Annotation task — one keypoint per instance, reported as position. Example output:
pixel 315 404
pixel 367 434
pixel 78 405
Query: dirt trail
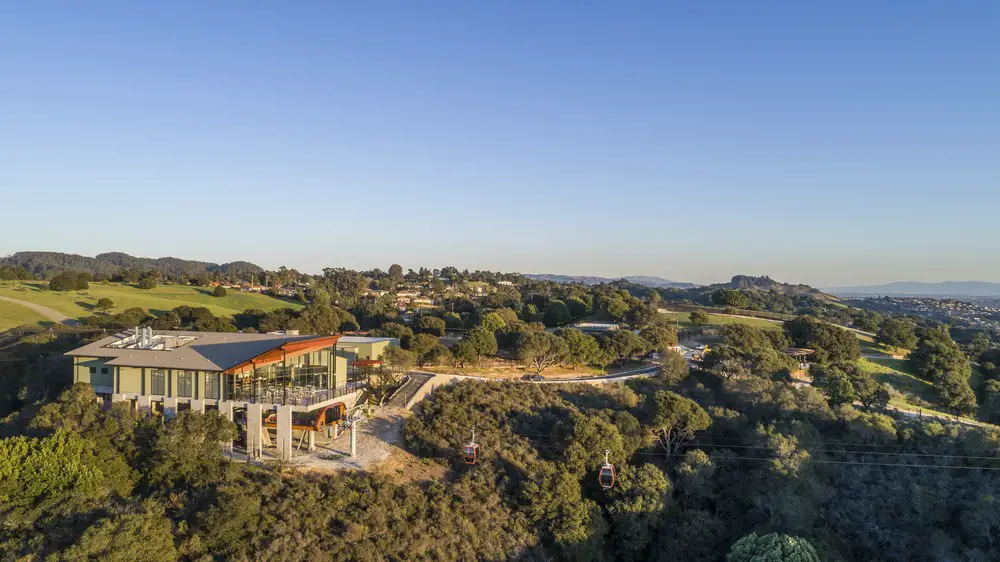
pixel 50 313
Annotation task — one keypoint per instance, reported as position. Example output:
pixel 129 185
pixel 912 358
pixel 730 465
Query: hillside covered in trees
pixel 707 466
pixel 44 265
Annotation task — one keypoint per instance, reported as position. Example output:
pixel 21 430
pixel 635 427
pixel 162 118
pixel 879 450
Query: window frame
pixel 213 386
pixel 185 384
pixel 158 377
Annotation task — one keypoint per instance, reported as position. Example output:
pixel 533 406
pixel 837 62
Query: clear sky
pixel 856 142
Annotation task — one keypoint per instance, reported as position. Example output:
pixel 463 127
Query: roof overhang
pixel 279 353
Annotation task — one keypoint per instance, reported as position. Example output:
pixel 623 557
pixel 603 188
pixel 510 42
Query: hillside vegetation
pixel 80 304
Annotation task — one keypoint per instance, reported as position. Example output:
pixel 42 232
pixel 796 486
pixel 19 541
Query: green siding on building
pixel 130 380
pixel 102 375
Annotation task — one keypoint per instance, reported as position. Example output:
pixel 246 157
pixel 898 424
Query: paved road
pixel 50 313
pixel 402 396
pixel 624 375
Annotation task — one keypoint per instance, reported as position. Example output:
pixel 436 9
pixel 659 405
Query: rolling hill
pixel 646 280
pixel 47 264
pixel 80 304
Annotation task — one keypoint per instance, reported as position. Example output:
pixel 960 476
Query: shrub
pixel 219 291
pixel 147 283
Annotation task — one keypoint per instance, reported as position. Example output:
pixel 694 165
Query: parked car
pixel 532 377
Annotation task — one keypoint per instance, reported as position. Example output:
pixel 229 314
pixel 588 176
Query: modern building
pixel 362 348
pixel 166 370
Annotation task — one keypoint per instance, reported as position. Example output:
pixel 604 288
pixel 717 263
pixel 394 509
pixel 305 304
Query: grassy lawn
pixel 914 393
pixel 683 319
pixel 12 315
pixel 78 304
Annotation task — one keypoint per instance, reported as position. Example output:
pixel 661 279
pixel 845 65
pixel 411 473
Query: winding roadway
pixel 50 313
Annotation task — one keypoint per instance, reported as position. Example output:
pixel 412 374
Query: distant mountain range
pixel 917 289
pixel 646 280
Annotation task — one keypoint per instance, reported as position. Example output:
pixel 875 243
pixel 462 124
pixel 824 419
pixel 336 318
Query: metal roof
pixel 209 351
pixel 362 339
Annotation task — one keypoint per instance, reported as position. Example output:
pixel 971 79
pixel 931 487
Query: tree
pixel 422 343
pixel 989 409
pixel 57 475
pixel 67 282
pixel 541 350
pixel 130 534
pixel 398 359
pixel 396 273
pixel 577 307
pixel 676 420
pixel 482 340
pixel 219 291
pixel 835 384
pixel 638 503
pixel 831 343
pixel 494 321
pixel 898 332
pixel 616 308
pixel 105 304
pixel 772 548
pixel 344 285
pixel 939 359
pixel 659 337
pixel 641 314
pixel 699 318
pixel 147 283
pixel 556 313
pixel 673 368
pixel 185 450
pixel 393 330
pixel 622 345
pixel 582 349
pixel 465 353
pixel 730 298
pixel 431 325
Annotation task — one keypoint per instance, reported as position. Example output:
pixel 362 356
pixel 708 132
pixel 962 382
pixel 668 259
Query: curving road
pixel 50 313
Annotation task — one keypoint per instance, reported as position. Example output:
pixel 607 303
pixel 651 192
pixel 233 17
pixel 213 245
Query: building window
pixel 185 383
pixel 212 386
pixel 158 382
pixel 93 370
pixel 104 370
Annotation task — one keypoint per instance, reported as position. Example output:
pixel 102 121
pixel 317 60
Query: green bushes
pixel 70 282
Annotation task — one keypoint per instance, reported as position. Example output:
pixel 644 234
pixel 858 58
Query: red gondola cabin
pixel 606 476
pixel 469 452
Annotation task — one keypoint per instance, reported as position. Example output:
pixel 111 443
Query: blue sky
pixel 855 142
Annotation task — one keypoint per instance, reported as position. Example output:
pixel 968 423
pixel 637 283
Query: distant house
pixel 505 283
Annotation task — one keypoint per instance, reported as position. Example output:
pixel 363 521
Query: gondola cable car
pixel 471 451
pixel 606 477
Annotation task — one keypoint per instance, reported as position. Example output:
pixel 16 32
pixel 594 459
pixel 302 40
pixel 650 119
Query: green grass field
pixel 78 304
pixel 683 320
pixel 12 315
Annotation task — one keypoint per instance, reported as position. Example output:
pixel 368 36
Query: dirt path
pixel 50 313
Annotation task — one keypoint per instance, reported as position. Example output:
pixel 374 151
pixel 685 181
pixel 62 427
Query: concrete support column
pixel 170 408
pixel 145 405
pixel 355 426
pixel 284 439
pixel 312 441
pixel 226 411
pixel 198 406
pixel 254 445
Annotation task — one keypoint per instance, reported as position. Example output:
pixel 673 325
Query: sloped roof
pixel 209 351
